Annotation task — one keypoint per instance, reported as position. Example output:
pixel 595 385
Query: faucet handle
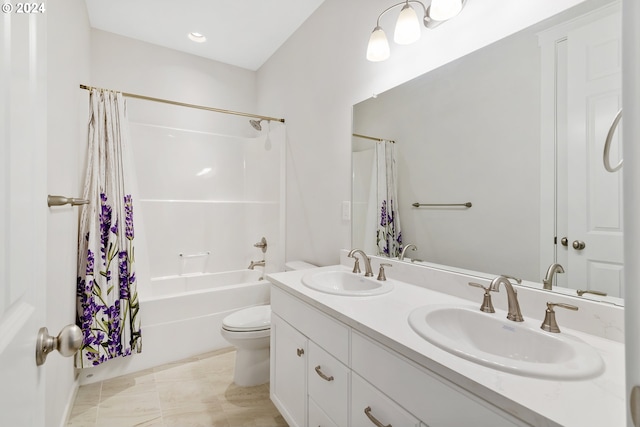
pixel 549 323
pixel 518 280
pixel 381 275
pixel 599 293
pixel 356 266
pixel 487 305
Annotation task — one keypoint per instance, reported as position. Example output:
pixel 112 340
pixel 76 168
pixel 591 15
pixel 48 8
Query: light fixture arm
pixel 402 3
pixel 407 29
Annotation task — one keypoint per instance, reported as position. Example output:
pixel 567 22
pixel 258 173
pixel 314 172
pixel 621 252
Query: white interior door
pixel 23 211
pixel 594 197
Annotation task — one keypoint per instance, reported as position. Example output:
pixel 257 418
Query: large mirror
pixel 510 140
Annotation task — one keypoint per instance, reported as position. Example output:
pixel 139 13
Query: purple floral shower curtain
pixel 388 232
pixel 107 297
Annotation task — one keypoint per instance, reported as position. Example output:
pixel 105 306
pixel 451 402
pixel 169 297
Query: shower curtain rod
pixel 182 104
pixel 372 138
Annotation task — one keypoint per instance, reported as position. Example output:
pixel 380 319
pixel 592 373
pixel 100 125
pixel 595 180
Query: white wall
pixel 68 38
pixel 128 65
pixel 321 72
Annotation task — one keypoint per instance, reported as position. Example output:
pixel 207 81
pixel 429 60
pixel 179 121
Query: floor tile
pixel 198 391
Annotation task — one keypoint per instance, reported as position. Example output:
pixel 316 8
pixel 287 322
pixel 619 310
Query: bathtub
pixel 181 317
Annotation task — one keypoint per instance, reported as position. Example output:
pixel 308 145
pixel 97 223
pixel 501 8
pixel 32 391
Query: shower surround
pixel 204 198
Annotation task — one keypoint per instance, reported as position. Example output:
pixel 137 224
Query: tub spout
pixel 256 264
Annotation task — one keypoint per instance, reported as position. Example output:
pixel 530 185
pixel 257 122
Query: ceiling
pixel 244 33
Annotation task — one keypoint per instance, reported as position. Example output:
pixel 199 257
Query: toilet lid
pixel 256 318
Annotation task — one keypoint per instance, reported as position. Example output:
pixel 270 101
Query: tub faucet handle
pixel 262 244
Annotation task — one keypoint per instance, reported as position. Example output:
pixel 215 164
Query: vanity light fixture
pixel 408 29
pixel 197 37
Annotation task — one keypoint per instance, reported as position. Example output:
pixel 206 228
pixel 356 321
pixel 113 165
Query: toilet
pixel 249 331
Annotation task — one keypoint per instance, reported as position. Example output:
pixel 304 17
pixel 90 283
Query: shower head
pixel 256 124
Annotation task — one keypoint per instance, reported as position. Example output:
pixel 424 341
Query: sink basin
pixel 345 283
pixel 517 347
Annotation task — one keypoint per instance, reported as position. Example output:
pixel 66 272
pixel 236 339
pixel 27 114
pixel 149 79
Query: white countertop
pixel 597 402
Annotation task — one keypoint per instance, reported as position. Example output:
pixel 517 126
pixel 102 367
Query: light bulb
pixel 407 27
pixel 441 10
pixel 197 37
pixel 378 49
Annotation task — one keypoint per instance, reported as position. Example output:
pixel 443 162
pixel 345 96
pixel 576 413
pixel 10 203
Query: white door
pixel 631 172
pixel 594 197
pixel 23 210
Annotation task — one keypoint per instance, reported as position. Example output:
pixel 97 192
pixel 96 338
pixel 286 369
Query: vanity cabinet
pixel 432 399
pixel 309 373
pixel 288 371
pixel 343 378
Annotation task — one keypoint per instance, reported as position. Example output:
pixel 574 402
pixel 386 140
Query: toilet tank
pixel 298 265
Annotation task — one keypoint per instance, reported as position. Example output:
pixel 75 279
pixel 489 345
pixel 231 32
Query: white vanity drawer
pixel 328 381
pixel 317 417
pixel 425 395
pixel 330 334
pixel 369 405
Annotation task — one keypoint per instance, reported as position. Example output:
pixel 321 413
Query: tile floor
pixel 194 392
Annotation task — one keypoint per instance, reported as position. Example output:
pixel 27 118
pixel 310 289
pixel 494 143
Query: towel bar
pixel 417 205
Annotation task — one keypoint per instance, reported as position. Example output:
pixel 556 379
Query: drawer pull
pixel 300 351
pixel 373 419
pixel 322 375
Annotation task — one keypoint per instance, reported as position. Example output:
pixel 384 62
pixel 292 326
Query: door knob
pixel 578 245
pixel 564 241
pixel 68 342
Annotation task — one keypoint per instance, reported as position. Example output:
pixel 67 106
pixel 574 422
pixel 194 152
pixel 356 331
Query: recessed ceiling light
pixel 197 37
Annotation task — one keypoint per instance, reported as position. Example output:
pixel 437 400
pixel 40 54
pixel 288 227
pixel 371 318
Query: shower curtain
pixel 107 298
pixel 388 233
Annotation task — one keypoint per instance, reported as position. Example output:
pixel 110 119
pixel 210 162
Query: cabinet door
pixel 369 407
pixel 288 371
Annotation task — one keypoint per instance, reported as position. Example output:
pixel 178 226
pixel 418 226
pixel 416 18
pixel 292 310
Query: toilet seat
pixel 250 319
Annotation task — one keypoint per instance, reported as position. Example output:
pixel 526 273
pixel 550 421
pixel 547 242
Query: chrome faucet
pixel 554 268
pixel 549 323
pixel 404 250
pixel 367 261
pixel 256 264
pixel 512 296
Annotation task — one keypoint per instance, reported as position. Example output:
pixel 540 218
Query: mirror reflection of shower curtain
pixel 388 233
